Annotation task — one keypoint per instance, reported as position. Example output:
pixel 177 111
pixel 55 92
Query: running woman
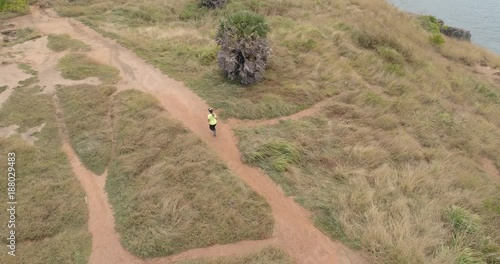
pixel 212 121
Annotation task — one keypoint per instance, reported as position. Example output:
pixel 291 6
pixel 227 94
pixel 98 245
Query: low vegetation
pixel 51 216
pixel 265 256
pixel 26 68
pixel 402 182
pixel 88 121
pixel 169 193
pixel 62 42
pixel 77 66
pixel 12 8
pixel 20 36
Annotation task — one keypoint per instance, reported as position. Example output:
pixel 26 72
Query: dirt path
pixel 295 231
pixel 254 123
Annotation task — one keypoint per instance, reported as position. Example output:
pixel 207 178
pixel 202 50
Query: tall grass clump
pixel 462 220
pixel 278 155
pixel 244 50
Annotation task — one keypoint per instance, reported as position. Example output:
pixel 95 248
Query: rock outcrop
pixel 453 32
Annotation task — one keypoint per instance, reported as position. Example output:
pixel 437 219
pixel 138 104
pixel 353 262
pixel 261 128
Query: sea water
pixel 481 17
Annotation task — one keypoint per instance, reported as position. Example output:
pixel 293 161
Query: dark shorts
pixel 212 127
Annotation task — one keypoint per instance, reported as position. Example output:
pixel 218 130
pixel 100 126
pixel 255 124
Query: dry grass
pixel 51 213
pixel 86 114
pixel 384 181
pixel 168 192
pixel 265 256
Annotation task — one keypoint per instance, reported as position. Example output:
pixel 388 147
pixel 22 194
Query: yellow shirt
pixel 212 119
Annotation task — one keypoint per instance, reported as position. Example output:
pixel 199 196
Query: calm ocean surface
pixel 481 17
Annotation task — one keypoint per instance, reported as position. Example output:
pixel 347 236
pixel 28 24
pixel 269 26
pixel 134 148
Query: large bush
pixel 244 48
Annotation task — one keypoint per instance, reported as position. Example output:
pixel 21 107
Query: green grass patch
pixel 265 256
pixel 462 220
pixel 62 42
pixel 14 6
pixel 51 222
pixel 22 35
pixel 77 66
pixel 27 69
pixel 87 117
pixel 169 193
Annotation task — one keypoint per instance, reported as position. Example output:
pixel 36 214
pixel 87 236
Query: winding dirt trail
pixel 295 232
pixel 254 123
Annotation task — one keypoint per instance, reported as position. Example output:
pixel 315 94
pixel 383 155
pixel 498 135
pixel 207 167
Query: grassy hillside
pixel 394 166
pixel 51 211
pixel 320 49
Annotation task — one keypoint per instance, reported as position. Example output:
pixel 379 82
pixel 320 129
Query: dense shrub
pixel 244 48
pixel 15 6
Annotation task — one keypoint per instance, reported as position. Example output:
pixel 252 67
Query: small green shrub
pixel 430 24
pixel 436 39
pixel 15 6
